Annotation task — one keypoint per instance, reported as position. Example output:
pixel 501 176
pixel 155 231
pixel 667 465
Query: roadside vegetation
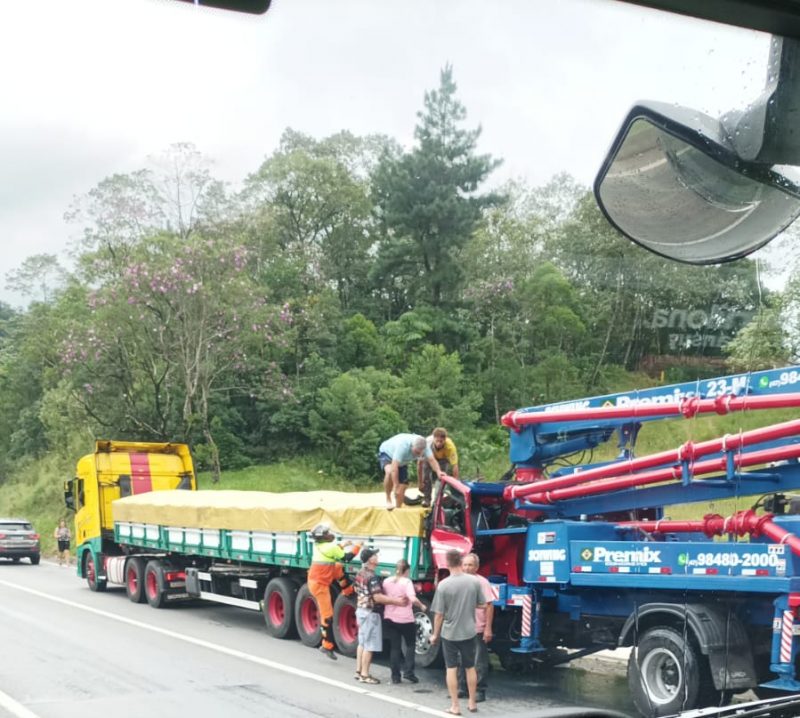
pixel 348 289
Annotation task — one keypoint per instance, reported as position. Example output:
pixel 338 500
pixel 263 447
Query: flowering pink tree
pixel 181 324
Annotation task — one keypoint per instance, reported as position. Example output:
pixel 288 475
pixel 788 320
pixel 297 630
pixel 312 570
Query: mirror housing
pixel 702 190
pixel 69 497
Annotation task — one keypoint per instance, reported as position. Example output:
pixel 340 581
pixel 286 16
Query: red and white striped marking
pixel 786 636
pixel 526 616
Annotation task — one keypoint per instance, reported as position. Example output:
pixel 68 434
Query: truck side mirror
pixel 674 185
pixel 69 498
pixel 702 190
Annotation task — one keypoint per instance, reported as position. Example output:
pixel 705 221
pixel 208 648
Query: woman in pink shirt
pixel 398 622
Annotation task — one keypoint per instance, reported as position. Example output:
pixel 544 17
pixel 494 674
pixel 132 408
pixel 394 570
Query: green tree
pixel 438 394
pixel 352 416
pixel 38 276
pixel 308 208
pixel 359 343
pixel 429 203
pixel 763 343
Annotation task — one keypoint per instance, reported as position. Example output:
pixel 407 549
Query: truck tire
pixel 664 673
pixel 279 600
pixel 306 617
pixel 427 654
pixel 345 627
pixel 90 571
pixel 134 579
pixel 154 584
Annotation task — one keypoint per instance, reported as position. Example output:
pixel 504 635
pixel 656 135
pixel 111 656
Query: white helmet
pixel 320 531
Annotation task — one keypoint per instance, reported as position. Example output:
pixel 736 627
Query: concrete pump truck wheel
pixel 664 673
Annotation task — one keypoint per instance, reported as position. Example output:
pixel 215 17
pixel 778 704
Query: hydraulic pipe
pixel 741 523
pixel 658 476
pixel 686 452
pixel 687 408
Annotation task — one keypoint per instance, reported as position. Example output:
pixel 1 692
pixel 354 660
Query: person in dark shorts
pixel 62 536
pixel 454 605
pixel 394 455
pixel 483 625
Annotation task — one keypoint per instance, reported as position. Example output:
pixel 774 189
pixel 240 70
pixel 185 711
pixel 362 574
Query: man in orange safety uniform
pixel 326 568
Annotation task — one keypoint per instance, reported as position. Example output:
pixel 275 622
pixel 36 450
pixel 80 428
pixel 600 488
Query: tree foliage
pixel 351 289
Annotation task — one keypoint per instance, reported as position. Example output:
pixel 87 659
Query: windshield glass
pixel 297 242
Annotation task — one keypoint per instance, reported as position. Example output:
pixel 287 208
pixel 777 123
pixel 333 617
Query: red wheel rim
pixel 276 609
pixel 309 616
pixel 90 569
pixel 348 626
pixel 151 584
pixel 133 581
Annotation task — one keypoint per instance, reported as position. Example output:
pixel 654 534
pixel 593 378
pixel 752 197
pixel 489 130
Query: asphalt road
pixel 67 652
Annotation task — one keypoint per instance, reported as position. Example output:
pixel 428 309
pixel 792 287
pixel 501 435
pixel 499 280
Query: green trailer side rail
pixel 291 549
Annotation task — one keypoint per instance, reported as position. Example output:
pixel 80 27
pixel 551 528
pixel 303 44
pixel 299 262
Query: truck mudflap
pixel 719 634
pixel 193 582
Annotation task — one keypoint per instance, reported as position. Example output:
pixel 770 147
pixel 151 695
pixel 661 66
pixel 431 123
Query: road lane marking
pixel 16 709
pixel 418 707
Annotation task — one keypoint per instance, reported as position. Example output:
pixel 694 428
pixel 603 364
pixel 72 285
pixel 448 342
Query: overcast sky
pixel 92 87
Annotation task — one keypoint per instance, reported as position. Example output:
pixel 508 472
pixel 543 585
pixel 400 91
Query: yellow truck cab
pixel 115 470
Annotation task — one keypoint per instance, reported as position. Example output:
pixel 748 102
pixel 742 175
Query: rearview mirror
pixel 674 184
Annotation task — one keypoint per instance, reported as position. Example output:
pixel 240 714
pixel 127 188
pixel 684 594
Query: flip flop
pixel 472 710
pixel 452 712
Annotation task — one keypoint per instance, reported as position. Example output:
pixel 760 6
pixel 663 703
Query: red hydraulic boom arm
pixel 687 408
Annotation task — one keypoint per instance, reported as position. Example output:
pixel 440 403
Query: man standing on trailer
pixel 326 568
pixel 394 456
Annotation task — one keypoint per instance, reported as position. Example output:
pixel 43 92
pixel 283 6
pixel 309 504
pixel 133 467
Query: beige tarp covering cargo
pixel 352 514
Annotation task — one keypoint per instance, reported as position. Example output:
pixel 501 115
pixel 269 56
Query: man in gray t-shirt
pixel 453 606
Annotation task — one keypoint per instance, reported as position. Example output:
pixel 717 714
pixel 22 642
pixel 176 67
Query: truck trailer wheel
pixel 134 579
pixel 306 616
pixel 279 600
pixel 90 571
pixel 428 655
pixel 154 584
pixel 664 673
pixel 345 627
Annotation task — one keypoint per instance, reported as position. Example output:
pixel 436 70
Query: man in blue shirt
pixel 394 455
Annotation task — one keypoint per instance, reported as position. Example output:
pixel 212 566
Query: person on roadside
pixel 483 632
pixel 326 568
pixel 394 456
pixel 454 604
pixel 446 455
pixel 370 598
pixel 399 623
pixel 63 536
